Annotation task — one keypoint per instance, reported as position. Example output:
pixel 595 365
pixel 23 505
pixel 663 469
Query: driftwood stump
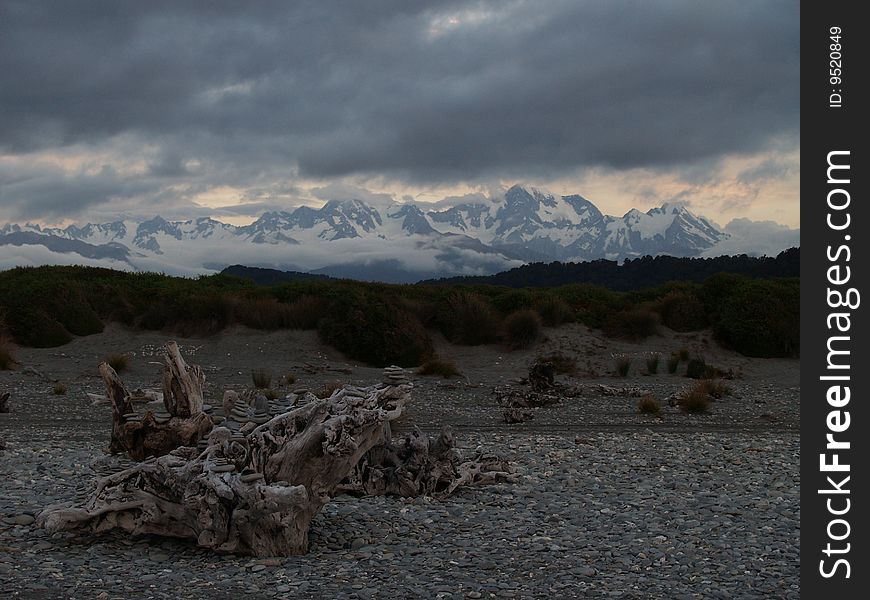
pixel 4 402
pixel 422 466
pixel 157 433
pixel 253 494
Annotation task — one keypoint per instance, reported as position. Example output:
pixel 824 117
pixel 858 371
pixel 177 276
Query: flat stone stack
pixel 394 375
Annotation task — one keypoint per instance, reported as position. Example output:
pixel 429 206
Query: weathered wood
pixel 254 494
pixel 182 384
pixel 154 434
pixel 4 402
pixel 419 465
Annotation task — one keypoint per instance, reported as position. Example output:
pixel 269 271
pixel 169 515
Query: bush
pixel 7 357
pixel 34 328
pixel 263 313
pixel 262 378
pixel 699 369
pixel 761 318
pixel 673 363
pixel 623 365
pixel 468 319
pixel 522 329
pixel 271 394
pixel 119 362
pixel 375 330
pixel 58 389
pixel 554 311
pixel 290 379
pixel 682 311
pixel 633 324
pixel 306 312
pixel 652 363
pixel 649 405
pixel 682 354
pixel 564 365
pixel 439 366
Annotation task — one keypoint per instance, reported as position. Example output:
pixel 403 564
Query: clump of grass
pixel 715 388
pixel 328 388
pixel 290 379
pixel 564 365
pixel 271 394
pixel 652 363
pixel 522 329
pixel 699 369
pixel 649 405
pixel 673 363
pixel 7 358
pixel 695 401
pixel 623 365
pixel 633 324
pixel 119 362
pixel 439 366
pixel 59 389
pixel 682 354
pixel 262 378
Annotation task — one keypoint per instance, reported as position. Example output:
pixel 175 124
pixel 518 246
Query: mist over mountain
pixel 396 242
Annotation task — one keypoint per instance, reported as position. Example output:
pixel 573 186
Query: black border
pixel 825 129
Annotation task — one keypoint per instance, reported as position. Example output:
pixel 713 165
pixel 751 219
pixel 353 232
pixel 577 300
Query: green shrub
pixel 682 311
pixel 262 378
pixel 468 319
pixel 673 363
pixel 633 324
pixel 263 313
pixel 58 389
pixel 649 405
pixel 513 300
pixel 290 379
pixel 271 394
pixel 375 330
pixel 699 369
pixel 306 312
pixel 760 318
pixel 554 311
pixel 440 367
pixel 652 363
pixel 522 329
pixel 34 328
pixel 119 362
pixel 622 365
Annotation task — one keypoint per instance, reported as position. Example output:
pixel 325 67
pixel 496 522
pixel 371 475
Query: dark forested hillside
pixel 639 273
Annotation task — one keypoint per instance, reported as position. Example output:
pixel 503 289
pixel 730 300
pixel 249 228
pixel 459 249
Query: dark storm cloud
pixel 424 92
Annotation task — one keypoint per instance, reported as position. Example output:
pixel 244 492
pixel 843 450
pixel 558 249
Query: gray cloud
pixel 424 92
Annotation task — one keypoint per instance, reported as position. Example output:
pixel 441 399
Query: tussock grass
pixel 439 366
pixel 522 329
pixel 649 405
pixel 622 365
pixel 262 378
pixel 119 362
pixel 58 389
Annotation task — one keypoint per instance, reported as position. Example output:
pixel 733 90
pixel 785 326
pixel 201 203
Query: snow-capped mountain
pixel 352 236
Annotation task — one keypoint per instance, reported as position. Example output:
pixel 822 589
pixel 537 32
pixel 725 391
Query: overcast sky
pixel 231 108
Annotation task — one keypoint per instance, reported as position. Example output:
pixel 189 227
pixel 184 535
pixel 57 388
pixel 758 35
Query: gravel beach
pixel 608 502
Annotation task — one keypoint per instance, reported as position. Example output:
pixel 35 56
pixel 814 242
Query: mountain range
pixel 398 242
